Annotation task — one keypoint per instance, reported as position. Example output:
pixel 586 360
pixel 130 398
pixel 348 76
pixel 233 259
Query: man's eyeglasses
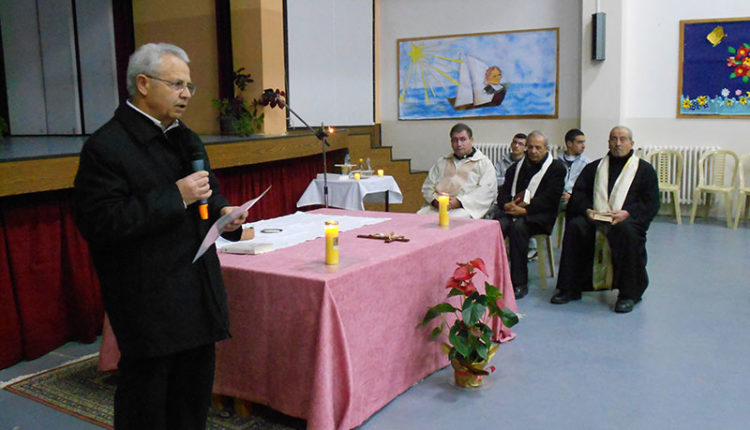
pixel 518 142
pixel 177 86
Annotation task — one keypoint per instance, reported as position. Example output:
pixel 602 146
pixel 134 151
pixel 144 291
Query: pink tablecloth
pixel 334 346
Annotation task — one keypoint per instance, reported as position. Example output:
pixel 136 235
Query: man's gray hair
pixel 623 127
pixel 538 133
pixel 147 60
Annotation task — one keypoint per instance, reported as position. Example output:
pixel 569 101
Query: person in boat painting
pixel 492 78
pixel 478 85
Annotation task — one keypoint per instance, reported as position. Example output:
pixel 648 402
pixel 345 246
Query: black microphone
pixel 198 164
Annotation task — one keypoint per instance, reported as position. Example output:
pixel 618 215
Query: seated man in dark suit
pixel 616 196
pixel 528 202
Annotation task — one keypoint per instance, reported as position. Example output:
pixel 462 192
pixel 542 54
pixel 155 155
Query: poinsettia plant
pixel 470 336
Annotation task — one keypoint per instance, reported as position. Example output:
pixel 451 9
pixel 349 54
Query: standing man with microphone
pixel 142 180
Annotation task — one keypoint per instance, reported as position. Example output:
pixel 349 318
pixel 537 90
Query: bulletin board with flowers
pixel 714 79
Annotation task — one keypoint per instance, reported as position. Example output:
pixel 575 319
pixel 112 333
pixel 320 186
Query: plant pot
pixel 226 124
pixel 470 375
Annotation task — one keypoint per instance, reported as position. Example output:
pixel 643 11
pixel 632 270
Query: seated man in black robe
pixel 618 195
pixel 528 202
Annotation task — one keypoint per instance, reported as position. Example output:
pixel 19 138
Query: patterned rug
pixel 79 389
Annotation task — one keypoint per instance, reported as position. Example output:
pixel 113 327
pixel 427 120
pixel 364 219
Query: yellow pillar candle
pixel 356 176
pixel 332 242
pixel 443 207
pixel 380 172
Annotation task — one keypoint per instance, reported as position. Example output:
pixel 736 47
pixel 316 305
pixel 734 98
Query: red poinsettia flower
pixel 739 71
pixel 463 272
pixel 468 288
pixel 479 265
pixel 452 283
pixel 742 51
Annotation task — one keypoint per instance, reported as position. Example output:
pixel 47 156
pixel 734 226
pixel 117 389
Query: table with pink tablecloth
pixel 334 345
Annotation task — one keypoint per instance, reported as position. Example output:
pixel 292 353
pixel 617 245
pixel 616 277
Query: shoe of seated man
pixel 563 297
pixel 624 306
pixel 520 291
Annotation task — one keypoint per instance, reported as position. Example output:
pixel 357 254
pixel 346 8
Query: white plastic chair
pixel 668 164
pixel 712 169
pixel 743 191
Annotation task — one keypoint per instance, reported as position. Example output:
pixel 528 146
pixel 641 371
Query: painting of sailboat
pixel 471 75
pixel 475 90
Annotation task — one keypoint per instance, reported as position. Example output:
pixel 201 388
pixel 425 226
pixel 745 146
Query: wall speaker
pixel 598 39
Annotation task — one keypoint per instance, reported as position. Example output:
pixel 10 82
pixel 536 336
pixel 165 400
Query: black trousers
pixel 628 244
pixel 517 231
pixel 165 393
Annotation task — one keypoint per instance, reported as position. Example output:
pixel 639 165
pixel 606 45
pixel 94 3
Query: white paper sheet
pixel 215 230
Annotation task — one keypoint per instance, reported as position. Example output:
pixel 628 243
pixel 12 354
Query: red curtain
pixel 49 292
pixel 56 297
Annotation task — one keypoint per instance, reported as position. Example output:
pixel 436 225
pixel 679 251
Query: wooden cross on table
pixel 390 237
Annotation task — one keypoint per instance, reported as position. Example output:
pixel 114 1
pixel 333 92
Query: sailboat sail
pixel 471 91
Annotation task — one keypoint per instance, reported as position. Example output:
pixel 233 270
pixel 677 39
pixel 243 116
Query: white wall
pixel 425 141
pixel 330 61
pixel 651 69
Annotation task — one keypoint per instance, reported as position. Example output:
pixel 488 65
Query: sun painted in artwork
pixel 470 76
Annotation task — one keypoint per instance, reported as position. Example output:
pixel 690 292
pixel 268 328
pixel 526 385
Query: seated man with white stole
pixel 528 202
pixel 466 175
pixel 615 197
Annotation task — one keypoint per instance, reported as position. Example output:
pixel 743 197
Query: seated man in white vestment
pixel 466 175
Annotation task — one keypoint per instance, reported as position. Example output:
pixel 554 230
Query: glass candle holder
pixel 380 172
pixel 357 176
pixel 332 242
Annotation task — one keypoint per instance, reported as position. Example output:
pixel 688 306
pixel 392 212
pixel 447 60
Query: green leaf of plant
pixel 492 291
pixel 732 75
pixel 746 45
pixel 437 310
pixel 472 313
pixel 508 317
pixel 731 50
pixel 436 332
pixel 460 342
pixel 482 351
pixel 455 292
pixel 745 79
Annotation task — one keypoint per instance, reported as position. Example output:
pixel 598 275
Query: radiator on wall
pixel 691 156
pixel 496 151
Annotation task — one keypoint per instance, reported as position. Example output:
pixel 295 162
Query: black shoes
pixel 563 297
pixel 624 306
pixel 520 291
